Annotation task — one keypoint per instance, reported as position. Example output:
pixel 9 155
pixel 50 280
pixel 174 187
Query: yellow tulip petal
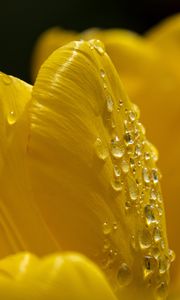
pixel 47 43
pixel 67 276
pixel 166 37
pixel 21 224
pixel 93 173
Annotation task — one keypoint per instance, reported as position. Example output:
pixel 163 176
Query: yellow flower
pixel 149 68
pixel 78 174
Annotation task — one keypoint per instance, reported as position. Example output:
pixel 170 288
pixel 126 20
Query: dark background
pixel 21 21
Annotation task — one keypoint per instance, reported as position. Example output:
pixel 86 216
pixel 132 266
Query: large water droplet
pixel 149 214
pixel 125 166
pixel 144 239
pixel 11 118
pixel 101 150
pixel 128 138
pixel 150 265
pixel 117 150
pixel 157 234
pixel 116 185
pixel 124 275
pixel 162 291
pixel 164 264
pixel 145 174
pixel 117 171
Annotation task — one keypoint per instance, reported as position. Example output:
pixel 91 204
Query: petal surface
pixel 93 173
pixel 67 276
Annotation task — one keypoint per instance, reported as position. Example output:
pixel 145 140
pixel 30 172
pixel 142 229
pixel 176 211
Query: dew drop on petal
pixel 101 150
pixel 149 214
pixel 124 275
pixel 117 171
pixel 172 255
pixel 110 104
pixel 117 150
pixel 157 234
pixel 125 166
pixel 145 174
pixel 106 228
pixel 144 239
pixel 11 118
pixel 162 291
pixel 116 185
pixel 149 266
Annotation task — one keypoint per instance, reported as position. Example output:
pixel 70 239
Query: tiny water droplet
pixel 133 189
pixel 106 228
pixel 110 104
pixel 102 73
pixel 124 275
pixel 101 150
pixel 125 166
pixel 172 255
pixel 153 195
pixel 144 239
pixel 145 174
pixel 138 150
pixel 98 46
pixel 117 150
pixel 11 118
pixel 132 116
pixel 147 156
pixel 155 176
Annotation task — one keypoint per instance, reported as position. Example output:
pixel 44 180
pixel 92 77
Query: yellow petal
pixel 47 43
pixel 166 37
pixel 67 276
pixel 21 224
pixel 93 173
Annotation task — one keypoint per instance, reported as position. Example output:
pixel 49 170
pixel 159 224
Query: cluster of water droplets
pixel 134 173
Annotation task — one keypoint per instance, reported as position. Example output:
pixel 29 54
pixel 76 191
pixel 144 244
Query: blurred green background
pixel 22 21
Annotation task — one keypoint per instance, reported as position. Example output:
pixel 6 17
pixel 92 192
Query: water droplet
pixel 121 102
pixel 172 255
pixel 101 150
pixel 164 264
pixel 155 176
pixel 106 244
pixel 144 239
pixel 117 150
pixel 124 275
pixel 98 46
pixel 162 291
pixel 157 234
pixel 138 150
pixel 11 118
pixel 116 185
pixel 136 110
pixel 102 73
pixel 153 195
pixel 128 138
pixel 147 156
pixel 115 226
pixel 150 265
pixel 110 104
pixel 125 166
pixel 133 190
pixel 155 252
pixel 145 174
pixel 117 171
pixel 106 228
pixel 132 116
pixel 133 242
pixel 149 214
